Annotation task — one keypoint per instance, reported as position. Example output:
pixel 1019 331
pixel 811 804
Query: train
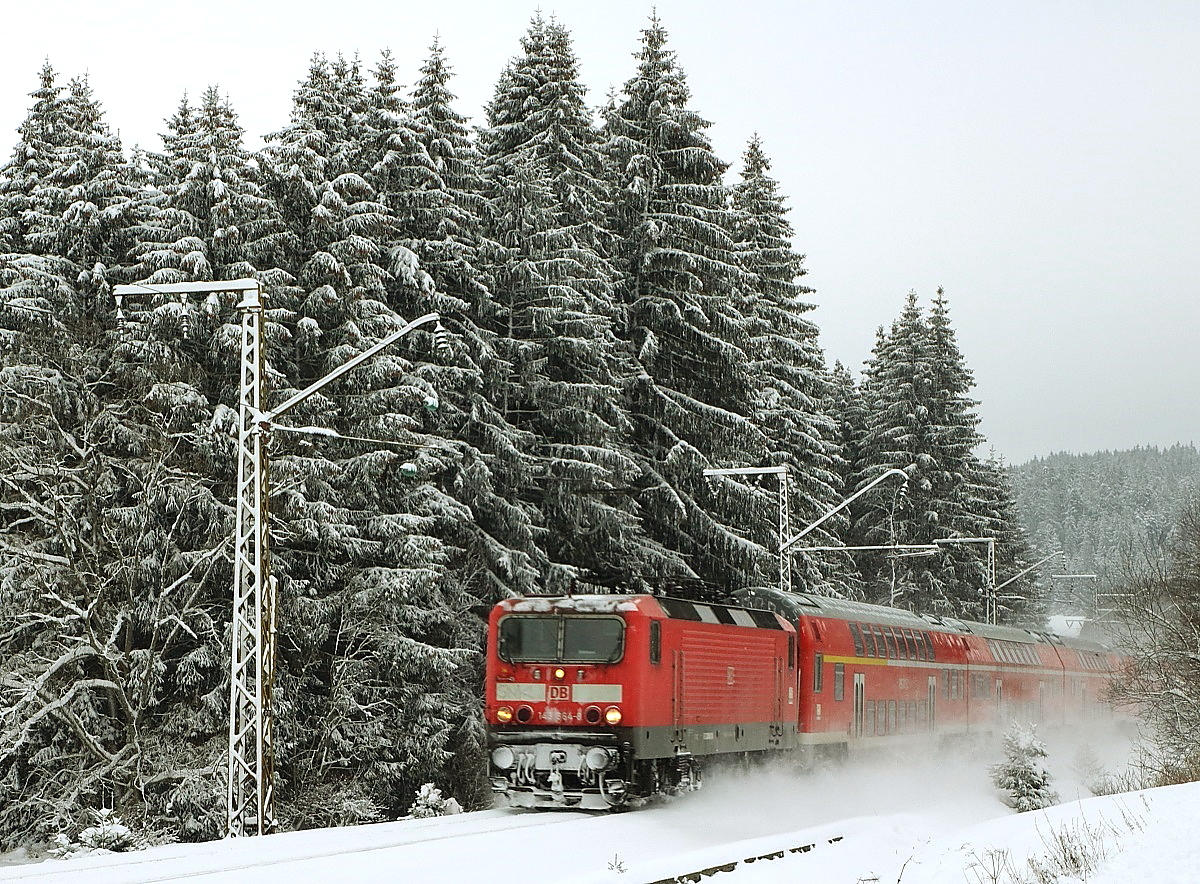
pixel 605 701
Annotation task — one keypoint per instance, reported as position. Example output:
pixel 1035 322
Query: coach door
pixel 933 683
pixel 860 691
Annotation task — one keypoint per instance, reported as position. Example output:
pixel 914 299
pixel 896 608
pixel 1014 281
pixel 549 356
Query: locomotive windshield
pixel 553 639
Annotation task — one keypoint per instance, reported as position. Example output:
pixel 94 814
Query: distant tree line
pixel 620 319
pixel 1129 523
pixel 1108 514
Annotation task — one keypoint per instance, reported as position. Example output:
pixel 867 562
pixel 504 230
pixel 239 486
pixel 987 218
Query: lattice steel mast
pixel 251 787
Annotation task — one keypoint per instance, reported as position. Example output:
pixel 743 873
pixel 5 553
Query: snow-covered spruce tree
pixel 207 217
pixel 88 202
pixel 920 419
pixel 210 218
pixel 373 681
pixel 33 161
pixel 396 162
pixel 539 111
pixel 443 214
pixel 1021 773
pixel 1022 601
pixel 68 194
pixel 110 658
pixel 690 398
pixel 896 390
pixel 111 650
pixel 555 298
pixel 499 553
pixel 791 385
pixel 845 407
pixel 979 501
pixel 956 475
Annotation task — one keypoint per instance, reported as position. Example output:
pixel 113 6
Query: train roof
pixel 800 604
pixel 674 608
pixel 797 604
pixel 686 603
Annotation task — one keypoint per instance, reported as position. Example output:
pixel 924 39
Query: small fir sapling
pixel 430 803
pixel 107 834
pixel 1021 773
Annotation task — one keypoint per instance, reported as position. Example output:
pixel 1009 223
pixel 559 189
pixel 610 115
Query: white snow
pixel 581 604
pixel 936 821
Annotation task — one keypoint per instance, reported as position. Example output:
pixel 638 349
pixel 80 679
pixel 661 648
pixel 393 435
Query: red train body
pixel 597 701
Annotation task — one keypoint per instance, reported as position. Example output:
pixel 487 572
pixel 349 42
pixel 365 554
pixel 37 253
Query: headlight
pixel 598 758
pixel 612 715
pixel 504 715
pixel 503 757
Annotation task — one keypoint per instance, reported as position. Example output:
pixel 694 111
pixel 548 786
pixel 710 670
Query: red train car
pixel 597 701
pixel 873 676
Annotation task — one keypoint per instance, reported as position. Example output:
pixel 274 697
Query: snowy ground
pixel 938 823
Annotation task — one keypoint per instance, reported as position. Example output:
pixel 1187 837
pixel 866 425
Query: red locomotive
pixel 600 701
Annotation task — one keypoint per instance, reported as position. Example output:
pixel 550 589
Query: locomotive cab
pixel 557 695
pixel 597 702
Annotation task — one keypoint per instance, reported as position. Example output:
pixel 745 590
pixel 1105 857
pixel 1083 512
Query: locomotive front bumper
pixel 533 797
pixel 581 774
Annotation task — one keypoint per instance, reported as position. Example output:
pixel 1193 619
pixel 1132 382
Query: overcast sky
pixel 1037 158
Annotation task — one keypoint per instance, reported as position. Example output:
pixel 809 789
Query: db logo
pixel 560 692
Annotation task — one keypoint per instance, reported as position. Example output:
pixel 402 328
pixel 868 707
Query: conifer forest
pixel 622 310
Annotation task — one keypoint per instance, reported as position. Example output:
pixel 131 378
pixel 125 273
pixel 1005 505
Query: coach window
pixel 818 672
pixel 913 651
pixel 891 724
pixel 655 641
pixel 869 641
pixel 880 647
pixel 890 637
pixel 858 639
pixel 839 681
